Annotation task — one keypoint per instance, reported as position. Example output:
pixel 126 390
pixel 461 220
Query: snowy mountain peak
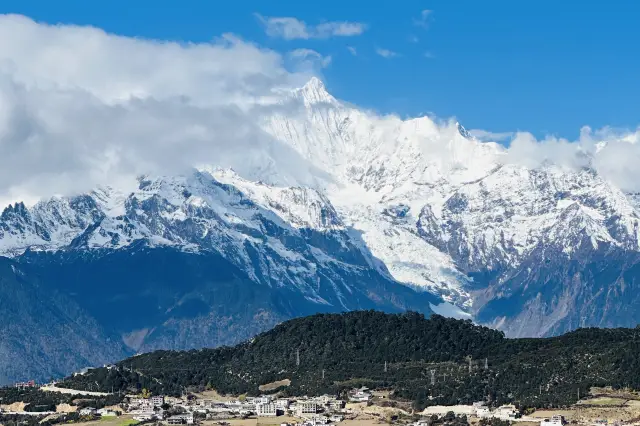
pixel 463 131
pixel 314 92
pixel 422 202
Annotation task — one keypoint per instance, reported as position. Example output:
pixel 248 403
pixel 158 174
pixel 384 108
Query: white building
pixel 157 401
pixel 306 407
pixel 360 395
pixel 266 410
pixel 105 412
pixel 506 412
pixel 144 417
pixel 181 419
pixel 282 404
pixel 553 421
pixel 146 414
pixel 87 411
pixel 483 412
pixel 335 404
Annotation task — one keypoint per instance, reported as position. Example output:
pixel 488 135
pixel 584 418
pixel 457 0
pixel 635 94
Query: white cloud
pixel 386 53
pixel 310 58
pixel 352 50
pixel 614 154
pixel 423 20
pixel 488 136
pixel 290 28
pixel 80 107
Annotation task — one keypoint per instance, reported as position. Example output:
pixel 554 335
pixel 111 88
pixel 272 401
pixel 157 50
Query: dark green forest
pixel 401 352
pixel 40 401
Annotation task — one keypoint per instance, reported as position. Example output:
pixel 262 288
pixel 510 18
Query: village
pixel 359 406
pixel 192 409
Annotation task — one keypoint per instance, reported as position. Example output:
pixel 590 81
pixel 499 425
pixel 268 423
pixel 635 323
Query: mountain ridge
pixel 331 353
pixel 375 212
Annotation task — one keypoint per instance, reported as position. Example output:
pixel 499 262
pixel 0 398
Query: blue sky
pixel 547 67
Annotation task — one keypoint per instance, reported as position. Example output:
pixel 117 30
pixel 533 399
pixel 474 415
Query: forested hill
pixel 398 351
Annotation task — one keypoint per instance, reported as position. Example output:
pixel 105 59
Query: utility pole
pixel 385 366
pixel 486 363
pixel 433 377
pixel 323 374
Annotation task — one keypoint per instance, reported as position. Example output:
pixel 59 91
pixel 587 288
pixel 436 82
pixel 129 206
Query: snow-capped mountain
pixel 397 214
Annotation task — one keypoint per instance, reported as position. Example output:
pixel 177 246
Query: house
pixel 144 417
pixel 107 412
pixel 483 412
pixel 266 410
pixel 135 400
pixel 265 399
pixel 157 401
pixel 324 399
pixel 306 407
pixel 318 420
pixel 360 395
pixel 335 404
pixel 87 411
pixel 147 414
pixel 336 418
pixel 25 385
pixel 553 421
pixel 507 412
pixel 181 419
pixel 282 404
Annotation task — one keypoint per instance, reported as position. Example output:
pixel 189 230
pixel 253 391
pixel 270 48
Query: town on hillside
pixel 359 406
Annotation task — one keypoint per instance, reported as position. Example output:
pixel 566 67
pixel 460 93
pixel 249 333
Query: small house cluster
pixel 360 395
pixel 323 410
pixel 26 385
pixel 556 420
pixel 477 409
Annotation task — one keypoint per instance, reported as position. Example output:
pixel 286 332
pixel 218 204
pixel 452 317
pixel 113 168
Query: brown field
pixel 362 422
pixel 16 407
pixel 263 421
pixel 583 414
pixel 274 385
pixel 603 401
pixel 110 421
pixel 211 394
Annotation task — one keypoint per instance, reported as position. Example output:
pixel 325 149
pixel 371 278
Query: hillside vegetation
pixel 468 362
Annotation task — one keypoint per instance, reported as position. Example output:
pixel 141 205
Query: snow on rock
pixel 421 201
